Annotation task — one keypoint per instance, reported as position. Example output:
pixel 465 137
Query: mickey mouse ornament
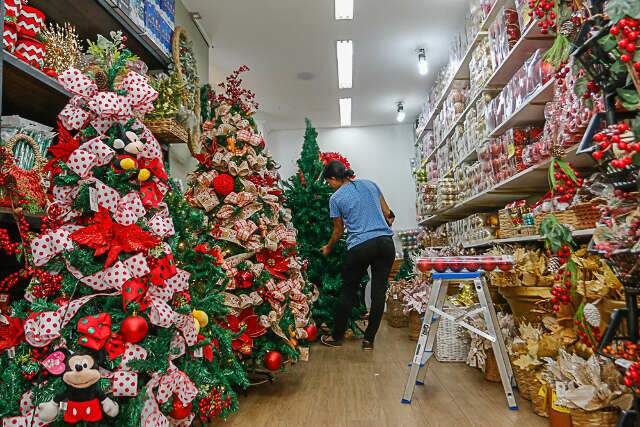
pixel 84 400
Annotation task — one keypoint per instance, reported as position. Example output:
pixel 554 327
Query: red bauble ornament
pixel 273 360
pixel 455 265
pixel 223 184
pixel 505 266
pixel 312 332
pixel 134 329
pixel 440 266
pixel 472 266
pixel 488 265
pixel 425 265
pixel 180 411
pixel 243 279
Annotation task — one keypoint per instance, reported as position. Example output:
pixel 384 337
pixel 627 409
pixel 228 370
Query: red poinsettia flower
pixel 248 326
pixel 274 261
pixel 61 151
pixel 106 236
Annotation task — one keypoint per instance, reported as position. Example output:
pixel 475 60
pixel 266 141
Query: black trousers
pixel 378 253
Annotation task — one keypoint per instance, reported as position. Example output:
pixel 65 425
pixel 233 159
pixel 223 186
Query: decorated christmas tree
pixel 111 332
pixel 250 233
pixel 308 198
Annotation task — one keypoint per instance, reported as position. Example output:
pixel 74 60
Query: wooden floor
pixel 349 387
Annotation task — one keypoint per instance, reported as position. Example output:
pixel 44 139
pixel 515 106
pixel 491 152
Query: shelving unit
pixel 462 69
pixel 523 239
pixel 525 184
pixel 531 110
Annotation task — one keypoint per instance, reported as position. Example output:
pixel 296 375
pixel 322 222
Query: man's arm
pixel 338 231
pixel 386 211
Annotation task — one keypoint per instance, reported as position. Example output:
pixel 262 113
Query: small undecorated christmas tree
pixel 308 198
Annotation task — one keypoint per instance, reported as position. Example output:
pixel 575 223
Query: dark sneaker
pixel 367 345
pixel 329 341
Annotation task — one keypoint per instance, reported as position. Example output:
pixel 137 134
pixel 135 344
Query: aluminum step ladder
pixel 426 340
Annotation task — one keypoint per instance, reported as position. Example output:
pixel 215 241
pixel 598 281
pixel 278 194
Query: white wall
pixel 379 153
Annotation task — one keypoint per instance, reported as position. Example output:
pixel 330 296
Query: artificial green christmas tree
pixel 308 198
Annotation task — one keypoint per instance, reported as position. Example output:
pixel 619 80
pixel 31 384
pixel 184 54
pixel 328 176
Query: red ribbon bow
pixel 95 330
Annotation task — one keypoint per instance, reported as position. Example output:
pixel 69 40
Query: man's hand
pixel 326 250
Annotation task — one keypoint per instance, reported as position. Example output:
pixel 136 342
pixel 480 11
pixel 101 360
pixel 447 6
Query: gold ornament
pixel 231 144
pixel 127 163
pixel 201 317
pixel 197 325
pixel 144 174
pixel 182 246
pixel 62 45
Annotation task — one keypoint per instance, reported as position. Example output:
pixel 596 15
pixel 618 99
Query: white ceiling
pixel 278 39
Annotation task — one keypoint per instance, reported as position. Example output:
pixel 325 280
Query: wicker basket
pixel 602 418
pixel 415 322
pixel 578 217
pixel 508 229
pixel 491 372
pixel 451 342
pixel 523 379
pixel 539 401
pixel 168 131
pixel 395 316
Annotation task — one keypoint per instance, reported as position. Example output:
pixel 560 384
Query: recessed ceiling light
pixel 344 52
pixel 401 113
pixel 423 66
pixel 345 111
pixel 344 9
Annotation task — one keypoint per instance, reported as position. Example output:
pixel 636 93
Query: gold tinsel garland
pixel 62 46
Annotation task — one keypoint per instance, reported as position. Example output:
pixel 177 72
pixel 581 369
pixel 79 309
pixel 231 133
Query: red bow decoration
pixel 114 346
pixel 164 269
pixel 203 248
pixel 66 145
pixel 107 236
pixel 11 332
pixel 94 330
pixel 150 194
pixel 274 262
pixel 155 166
pixel 246 326
pixel 134 290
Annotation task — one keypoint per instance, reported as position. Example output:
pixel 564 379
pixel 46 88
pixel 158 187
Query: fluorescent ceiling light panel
pixel 344 50
pixel 345 111
pixel 344 9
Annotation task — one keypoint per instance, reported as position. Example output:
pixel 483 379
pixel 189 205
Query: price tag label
pixel 93 199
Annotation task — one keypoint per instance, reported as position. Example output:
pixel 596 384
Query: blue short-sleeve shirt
pixel 358 203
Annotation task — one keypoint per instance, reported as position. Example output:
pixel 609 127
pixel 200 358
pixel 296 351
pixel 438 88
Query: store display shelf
pixel 522 239
pixel 92 17
pixel 469 157
pixel 525 184
pixel 531 110
pixel 461 73
pixel 38 96
pixel 462 115
pixel 531 40
pixel 493 13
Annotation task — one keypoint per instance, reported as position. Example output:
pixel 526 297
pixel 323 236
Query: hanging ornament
pixel 180 411
pixel 144 174
pixel 312 332
pixel 223 184
pixel 134 329
pixel 231 144
pixel 273 360
pixel 201 317
pixel 243 279
pixel 196 325
pixel 127 163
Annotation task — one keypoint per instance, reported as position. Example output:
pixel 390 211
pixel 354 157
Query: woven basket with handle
pixel 603 418
pixel 451 340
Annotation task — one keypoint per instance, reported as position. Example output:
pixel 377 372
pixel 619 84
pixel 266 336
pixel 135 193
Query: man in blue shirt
pixel 359 206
